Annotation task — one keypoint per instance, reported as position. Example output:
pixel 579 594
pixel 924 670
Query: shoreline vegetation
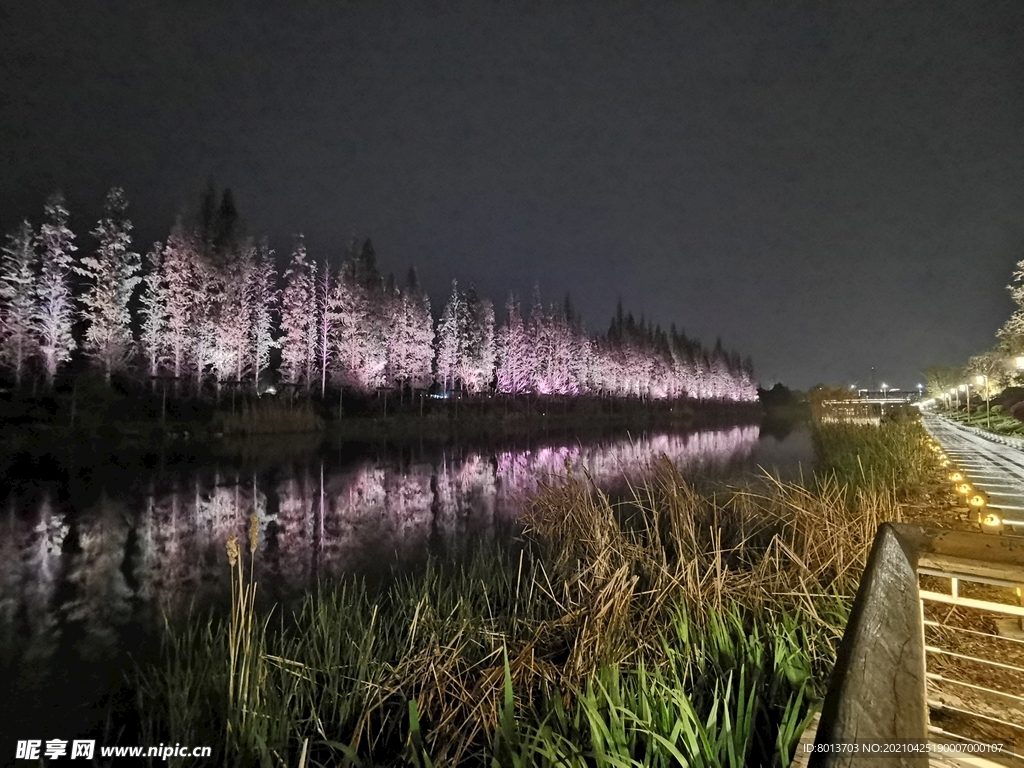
pixel 673 626
pixel 87 408
pixel 996 419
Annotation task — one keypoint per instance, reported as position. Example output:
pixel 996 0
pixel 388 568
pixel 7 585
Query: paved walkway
pixel 995 465
pixel 992 463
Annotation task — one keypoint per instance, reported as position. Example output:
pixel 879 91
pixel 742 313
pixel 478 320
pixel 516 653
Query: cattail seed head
pixel 232 549
pixel 254 532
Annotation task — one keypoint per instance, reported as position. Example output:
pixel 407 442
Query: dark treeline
pixel 208 307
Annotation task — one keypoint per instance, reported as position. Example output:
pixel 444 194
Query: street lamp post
pixel 983 379
pixel 967 388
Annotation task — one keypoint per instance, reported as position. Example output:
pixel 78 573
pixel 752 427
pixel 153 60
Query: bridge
pixel 868 409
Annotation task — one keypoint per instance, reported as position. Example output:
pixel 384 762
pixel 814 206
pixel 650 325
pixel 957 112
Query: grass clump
pixel 891 455
pixel 268 416
pixel 995 419
pixel 674 627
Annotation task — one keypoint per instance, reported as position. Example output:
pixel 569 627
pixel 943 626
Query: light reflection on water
pixel 133 553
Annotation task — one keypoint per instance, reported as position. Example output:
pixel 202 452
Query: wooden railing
pixel 903 651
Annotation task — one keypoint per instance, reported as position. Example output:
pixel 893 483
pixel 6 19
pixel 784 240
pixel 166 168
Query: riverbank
pixel 499 418
pixel 90 413
pixel 671 626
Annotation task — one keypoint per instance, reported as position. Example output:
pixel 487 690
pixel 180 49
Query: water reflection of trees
pixel 30 575
pixel 160 546
pixel 101 599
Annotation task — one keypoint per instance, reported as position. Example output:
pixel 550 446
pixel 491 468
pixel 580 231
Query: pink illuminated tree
pixel 112 275
pixel 325 319
pixel 208 352
pixel 363 315
pixel 227 313
pixel 18 342
pixel 418 339
pixel 409 335
pixel 181 293
pixel 346 317
pixel 312 331
pixel 451 340
pixel 262 298
pixel 298 318
pixel 476 366
pixel 563 348
pixel 153 339
pixel 54 311
pixel 394 323
pixel 512 350
pixel 538 346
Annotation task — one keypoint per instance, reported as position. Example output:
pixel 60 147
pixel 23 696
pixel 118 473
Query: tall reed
pixel 671 626
pixel 890 454
pixel 246 673
pixel 269 416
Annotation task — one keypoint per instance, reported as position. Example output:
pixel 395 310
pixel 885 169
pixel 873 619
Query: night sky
pixel 828 186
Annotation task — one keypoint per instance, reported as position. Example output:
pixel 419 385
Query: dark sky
pixel 828 186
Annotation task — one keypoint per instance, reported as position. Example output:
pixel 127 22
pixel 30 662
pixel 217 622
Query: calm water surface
pixel 92 554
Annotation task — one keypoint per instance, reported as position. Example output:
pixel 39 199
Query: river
pixel 94 552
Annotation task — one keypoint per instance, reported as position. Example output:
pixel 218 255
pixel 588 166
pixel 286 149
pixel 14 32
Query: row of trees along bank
pixel 208 306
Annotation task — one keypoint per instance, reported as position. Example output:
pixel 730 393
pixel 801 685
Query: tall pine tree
pixel 18 343
pixel 112 275
pixel 297 318
pixel 451 340
pixel 54 313
pixel 153 336
pixel 263 298
pixel 183 285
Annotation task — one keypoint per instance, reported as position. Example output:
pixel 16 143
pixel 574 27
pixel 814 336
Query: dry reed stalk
pixel 604 590
pixel 245 667
pixel 811 537
pixel 270 417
